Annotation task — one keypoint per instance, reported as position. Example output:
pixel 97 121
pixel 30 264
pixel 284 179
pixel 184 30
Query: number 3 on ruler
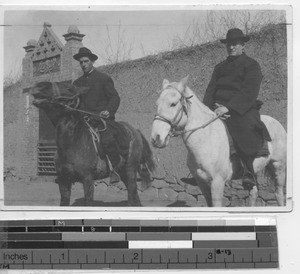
pixel 210 255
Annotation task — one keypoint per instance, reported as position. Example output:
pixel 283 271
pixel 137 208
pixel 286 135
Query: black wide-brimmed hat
pixel 235 34
pixel 85 52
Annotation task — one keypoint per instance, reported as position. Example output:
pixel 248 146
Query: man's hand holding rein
pixel 221 111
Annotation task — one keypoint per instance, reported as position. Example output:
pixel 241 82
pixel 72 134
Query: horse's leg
pixel 129 172
pixel 128 176
pixel 217 190
pixel 213 193
pixel 64 182
pixel 197 174
pixel 88 187
pixel 64 189
pixel 280 177
pixel 258 165
pixel 205 189
pixel 253 194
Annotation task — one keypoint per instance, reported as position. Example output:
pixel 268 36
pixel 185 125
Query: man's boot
pixel 116 161
pixel 249 178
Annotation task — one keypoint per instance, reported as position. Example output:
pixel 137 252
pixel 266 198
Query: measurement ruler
pixel 138 244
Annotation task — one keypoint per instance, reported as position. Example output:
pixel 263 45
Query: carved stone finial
pixel 32 42
pixel 48 25
pixel 73 33
pixel 30 46
pixel 73 29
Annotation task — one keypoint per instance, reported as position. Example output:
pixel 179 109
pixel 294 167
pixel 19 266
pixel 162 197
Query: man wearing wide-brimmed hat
pixel 232 93
pixel 101 99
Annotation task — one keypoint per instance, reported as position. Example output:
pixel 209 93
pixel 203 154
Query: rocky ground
pixel 42 191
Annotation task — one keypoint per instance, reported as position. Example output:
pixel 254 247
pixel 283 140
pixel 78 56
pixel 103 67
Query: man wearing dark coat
pixel 232 93
pixel 101 99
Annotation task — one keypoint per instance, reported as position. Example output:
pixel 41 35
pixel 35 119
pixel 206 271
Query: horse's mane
pixel 72 126
pixel 197 101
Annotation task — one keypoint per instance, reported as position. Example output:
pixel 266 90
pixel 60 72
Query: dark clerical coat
pixel 235 84
pixel 102 94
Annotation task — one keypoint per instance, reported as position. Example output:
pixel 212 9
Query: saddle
pixel 263 152
pixel 123 137
pixel 236 161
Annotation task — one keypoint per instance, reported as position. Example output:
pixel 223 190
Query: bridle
pixel 57 98
pixel 184 103
pixel 175 121
pixel 73 101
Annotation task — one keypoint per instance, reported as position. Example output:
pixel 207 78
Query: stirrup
pixel 114 177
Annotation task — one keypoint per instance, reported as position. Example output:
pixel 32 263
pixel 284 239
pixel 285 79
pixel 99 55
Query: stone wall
pixel 138 82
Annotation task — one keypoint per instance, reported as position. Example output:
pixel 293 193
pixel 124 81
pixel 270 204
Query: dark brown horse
pixel 76 158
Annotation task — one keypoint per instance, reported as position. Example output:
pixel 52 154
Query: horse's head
pixel 45 93
pixel 171 112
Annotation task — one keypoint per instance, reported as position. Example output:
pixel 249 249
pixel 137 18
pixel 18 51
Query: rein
pixel 180 132
pixel 57 94
pixel 83 112
pixel 173 132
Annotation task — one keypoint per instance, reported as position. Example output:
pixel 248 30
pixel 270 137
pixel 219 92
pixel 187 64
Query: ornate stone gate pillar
pixel 48 59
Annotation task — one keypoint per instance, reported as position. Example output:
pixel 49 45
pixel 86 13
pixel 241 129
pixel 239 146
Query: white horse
pixel 205 137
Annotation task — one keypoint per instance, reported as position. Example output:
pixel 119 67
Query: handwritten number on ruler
pixel 224 251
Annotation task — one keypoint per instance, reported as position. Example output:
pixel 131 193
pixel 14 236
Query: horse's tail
pixel 147 163
pixel 267 176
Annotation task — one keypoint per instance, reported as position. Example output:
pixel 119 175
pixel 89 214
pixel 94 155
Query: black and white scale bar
pixel 138 244
pixel 262 237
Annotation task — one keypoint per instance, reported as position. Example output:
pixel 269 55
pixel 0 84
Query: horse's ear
pixel 182 83
pixel 165 83
pixel 185 79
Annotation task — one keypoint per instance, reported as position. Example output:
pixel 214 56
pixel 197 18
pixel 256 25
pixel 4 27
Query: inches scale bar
pixel 138 244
